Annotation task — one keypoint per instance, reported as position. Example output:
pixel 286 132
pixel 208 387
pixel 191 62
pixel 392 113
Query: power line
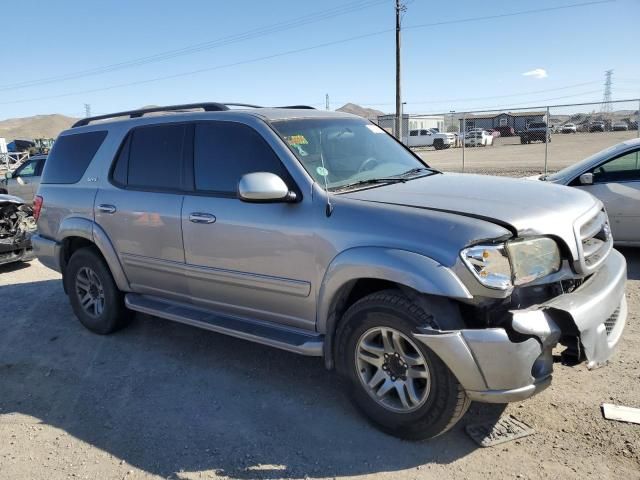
pixel 191 49
pixel 294 51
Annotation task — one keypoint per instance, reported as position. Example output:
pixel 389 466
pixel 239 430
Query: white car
pixel 477 138
pixel 569 128
pixel 428 138
pixel 613 176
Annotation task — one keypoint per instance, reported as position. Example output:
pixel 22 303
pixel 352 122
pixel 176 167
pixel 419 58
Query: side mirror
pixel 264 187
pixel 586 179
pixel 20 180
pixel 8 175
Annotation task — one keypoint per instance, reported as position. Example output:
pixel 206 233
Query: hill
pixel 38 126
pixel 368 113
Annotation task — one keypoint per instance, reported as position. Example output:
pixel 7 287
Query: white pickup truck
pixel 429 138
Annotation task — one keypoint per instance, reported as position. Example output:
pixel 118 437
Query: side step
pixel 292 340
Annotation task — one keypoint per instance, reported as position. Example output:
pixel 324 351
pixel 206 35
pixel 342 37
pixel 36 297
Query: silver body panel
pixel 286 264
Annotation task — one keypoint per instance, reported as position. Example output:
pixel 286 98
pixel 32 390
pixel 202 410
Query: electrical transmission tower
pixel 606 107
pixel 87 110
pixel 326 102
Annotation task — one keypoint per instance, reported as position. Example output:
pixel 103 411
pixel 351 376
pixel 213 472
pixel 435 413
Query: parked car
pixel 478 138
pixel 619 126
pixel 569 128
pixel 535 132
pixel 16 227
pixel 597 127
pixel 427 138
pixel 493 132
pixel 23 181
pixel 506 131
pixel 613 176
pixel 318 233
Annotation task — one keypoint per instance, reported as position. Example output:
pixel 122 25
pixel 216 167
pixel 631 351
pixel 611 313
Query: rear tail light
pixel 37 206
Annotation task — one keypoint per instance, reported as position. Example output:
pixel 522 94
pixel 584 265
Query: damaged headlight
pixel 515 262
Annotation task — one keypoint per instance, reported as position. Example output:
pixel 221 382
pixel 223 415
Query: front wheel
pixel 395 380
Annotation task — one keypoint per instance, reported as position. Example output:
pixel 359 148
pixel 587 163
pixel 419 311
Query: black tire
pixel 438 144
pixel 446 400
pixel 522 141
pixel 113 315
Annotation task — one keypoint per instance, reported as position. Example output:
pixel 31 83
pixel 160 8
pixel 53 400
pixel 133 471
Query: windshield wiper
pixel 370 181
pixel 413 171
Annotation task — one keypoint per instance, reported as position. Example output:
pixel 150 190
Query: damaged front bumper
pixel 500 365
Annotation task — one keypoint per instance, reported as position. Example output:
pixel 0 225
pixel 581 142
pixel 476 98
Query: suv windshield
pixel 346 151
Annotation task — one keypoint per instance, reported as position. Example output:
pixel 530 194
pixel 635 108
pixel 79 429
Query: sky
pixel 463 55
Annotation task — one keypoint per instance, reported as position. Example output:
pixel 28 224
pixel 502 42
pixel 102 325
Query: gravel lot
pixel 508 157
pixel 164 400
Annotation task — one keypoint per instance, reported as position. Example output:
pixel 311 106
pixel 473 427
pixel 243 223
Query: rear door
pixel 252 260
pixel 617 183
pixel 140 209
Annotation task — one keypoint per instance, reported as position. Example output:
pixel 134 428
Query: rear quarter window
pixel 70 157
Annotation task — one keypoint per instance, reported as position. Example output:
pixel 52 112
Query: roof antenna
pixel 324 174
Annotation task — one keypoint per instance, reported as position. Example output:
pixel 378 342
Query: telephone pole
pixel 400 7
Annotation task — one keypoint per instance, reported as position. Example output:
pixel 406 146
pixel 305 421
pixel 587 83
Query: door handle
pixel 198 217
pixel 104 208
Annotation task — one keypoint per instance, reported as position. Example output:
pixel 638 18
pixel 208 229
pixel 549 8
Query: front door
pixel 251 260
pixel 617 183
pixel 140 209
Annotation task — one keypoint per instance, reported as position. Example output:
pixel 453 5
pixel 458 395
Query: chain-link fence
pixel 519 141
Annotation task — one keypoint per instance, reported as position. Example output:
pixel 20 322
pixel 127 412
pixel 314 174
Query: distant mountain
pixel 38 126
pixel 368 113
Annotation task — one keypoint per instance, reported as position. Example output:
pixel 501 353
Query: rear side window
pixel 151 158
pixel 70 157
pixel 224 151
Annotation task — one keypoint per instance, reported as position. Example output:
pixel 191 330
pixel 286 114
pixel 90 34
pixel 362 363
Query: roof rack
pixel 207 107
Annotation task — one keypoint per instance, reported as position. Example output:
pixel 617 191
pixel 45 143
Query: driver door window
pixel 27 170
pixel 623 168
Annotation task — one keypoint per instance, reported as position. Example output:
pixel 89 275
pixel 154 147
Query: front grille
pixel 595 240
pixel 610 323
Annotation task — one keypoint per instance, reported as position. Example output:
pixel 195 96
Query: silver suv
pixel 318 233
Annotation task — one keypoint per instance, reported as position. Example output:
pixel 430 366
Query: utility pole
pixel 400 8
pixel 87 110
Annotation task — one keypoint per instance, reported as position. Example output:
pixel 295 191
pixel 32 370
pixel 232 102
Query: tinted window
pixel 28 169
pixel 413 133
pixel 155 157
pixel 224 151
pixel 625 167
pixel 70 157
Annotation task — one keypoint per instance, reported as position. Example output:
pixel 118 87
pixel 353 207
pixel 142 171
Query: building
pixel 412 122
pixel 517 120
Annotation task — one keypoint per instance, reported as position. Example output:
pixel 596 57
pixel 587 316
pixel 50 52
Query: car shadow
pixel 13 267
pixel 168 398
pixel 633 261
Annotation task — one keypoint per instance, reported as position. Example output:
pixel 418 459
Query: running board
pixel 279 337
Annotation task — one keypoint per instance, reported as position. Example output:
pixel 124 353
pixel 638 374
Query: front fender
pixel 89 230
pixel 410 269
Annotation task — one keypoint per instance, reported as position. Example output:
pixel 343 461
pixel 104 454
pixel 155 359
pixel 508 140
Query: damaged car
pixel 319 233
pixel 16 227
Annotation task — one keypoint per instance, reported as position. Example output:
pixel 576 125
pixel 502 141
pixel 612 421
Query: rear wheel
pixel 395 380
pixel 94 296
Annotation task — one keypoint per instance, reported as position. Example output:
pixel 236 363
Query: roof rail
pixel 298 107
pixel 207 107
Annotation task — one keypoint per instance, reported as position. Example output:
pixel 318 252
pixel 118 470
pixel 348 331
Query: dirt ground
pixel 164 400
pixel 508 156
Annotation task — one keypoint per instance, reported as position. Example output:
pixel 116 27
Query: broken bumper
pixel 16 252
pixel 494 365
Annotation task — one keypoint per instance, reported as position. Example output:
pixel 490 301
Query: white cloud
pixel 536 73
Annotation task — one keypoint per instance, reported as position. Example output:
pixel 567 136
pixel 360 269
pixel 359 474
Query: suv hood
pixel 525 207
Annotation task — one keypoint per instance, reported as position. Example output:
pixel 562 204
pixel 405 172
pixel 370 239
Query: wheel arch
pixel 357 272
pixel 77 232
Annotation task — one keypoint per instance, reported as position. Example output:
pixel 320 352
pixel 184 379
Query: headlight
pixel 533 259
pixel 514 263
